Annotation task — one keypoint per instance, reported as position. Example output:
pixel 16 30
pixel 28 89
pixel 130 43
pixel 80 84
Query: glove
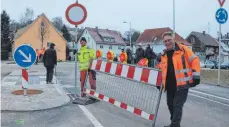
pixel 196 82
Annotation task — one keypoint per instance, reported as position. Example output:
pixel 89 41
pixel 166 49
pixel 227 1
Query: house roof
pixel 97 35
pixel 151 35
pixel 205 38
pixel 22 30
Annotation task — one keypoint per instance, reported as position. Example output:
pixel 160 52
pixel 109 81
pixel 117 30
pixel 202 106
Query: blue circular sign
pixel 221 16
pixel 25 56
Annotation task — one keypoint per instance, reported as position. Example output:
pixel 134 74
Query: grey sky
pixel 191 15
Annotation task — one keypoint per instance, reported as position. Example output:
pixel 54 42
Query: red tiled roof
pixel 150 34
pixel 97 36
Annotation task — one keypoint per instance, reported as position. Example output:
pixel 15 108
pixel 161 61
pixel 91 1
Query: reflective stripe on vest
pixel 184 67
pixel 183 71
pixel 191 58
pixel 186 79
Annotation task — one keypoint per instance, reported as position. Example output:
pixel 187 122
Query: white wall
pixel 90 41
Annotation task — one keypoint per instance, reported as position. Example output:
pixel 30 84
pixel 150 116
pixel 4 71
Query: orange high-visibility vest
pixel 123 57
pixel 143 62
pixel 186 66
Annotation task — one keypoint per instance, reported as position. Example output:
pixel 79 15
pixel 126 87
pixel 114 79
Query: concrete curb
pixel 52 97
pixel 210 96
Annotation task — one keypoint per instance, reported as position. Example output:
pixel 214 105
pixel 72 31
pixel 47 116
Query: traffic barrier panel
pixel 129 87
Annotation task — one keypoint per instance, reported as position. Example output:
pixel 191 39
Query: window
pixel 88 39
pixel 101 46
pixel 119 47
pixel 110 47
pixel 48 44
pixel 192 40
pixel 108 39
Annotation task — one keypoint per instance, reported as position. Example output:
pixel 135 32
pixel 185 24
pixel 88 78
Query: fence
pixel 129 87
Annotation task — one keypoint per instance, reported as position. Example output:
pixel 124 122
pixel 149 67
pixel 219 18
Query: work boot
pixel 93 99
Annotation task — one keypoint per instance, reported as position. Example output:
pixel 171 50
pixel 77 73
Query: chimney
pixel 203 32
pixel 97 30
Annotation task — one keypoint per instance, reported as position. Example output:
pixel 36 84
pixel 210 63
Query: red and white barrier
pixel 122 105
pixel 25 79
pixel 136 73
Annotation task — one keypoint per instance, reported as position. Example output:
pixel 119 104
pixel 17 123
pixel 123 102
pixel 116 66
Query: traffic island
pixel 39 97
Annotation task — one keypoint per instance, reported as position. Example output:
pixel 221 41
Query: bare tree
pixel 27 17
pixel 43 31
pixel 57 22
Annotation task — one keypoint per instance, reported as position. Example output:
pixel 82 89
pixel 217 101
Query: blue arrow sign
pixel 221 16
pixel 25 56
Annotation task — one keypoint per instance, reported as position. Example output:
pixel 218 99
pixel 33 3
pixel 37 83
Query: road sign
pixel 25 56
pixel 76 14
pixel 221 16
pixel 221 2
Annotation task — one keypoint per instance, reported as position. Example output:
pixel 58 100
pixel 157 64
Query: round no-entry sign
pixel 76 14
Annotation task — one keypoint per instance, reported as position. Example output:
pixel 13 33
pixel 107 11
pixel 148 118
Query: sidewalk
pixel 52 96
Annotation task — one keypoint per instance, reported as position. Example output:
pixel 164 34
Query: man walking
pixel 50 61
pixel 180 70
pixel 149 55
pixel 85 55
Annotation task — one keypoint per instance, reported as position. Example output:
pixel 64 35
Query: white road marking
pixel 208 99
pixel 5 78
pixel 222 98
pixel 8 83
pixel 94 121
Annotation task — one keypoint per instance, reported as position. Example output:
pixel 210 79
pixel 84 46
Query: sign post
pixel 25 56
pixel 221 17
pixel 76 14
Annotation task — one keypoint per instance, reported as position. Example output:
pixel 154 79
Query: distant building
pixel 225 47
pixel 154 38
pixel 33 34
pixel 103 39
pixel 204 45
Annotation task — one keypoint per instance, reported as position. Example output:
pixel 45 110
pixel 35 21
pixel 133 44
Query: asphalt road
pixel 198 112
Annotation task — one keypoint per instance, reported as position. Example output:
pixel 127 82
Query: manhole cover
pixel 29 92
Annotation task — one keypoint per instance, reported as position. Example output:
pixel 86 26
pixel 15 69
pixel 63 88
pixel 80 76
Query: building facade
pixel 153 37
pixel 103 39
pixel 39 34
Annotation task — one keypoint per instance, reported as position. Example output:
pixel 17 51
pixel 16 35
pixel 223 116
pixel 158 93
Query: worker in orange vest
pixel 180 70
pixel 123 57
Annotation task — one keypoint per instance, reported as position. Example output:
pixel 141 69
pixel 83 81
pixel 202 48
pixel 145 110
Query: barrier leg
pixel 157 107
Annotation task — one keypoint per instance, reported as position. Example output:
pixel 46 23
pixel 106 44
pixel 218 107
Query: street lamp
pixel 174 19
pixel 130 34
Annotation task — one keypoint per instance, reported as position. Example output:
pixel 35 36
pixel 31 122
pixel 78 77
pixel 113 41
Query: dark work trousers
pixel 149 62
pixel 175 102
pixel 49 74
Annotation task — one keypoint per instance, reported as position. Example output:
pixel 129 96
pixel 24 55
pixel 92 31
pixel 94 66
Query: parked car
pixel 202 64
pixel 210 64
pixel 224 65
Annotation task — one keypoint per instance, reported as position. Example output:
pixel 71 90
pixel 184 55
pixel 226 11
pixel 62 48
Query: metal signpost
pixel 25 56
pixel 221 17
pixel 76 14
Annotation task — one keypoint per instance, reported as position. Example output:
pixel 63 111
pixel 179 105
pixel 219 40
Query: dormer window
pixel 108 39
